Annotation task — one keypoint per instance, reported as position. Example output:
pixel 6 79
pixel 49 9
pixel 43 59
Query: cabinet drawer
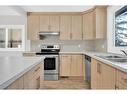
pixel 36 70
pixel 122 78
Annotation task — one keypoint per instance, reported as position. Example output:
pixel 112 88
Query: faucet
pixel 124 52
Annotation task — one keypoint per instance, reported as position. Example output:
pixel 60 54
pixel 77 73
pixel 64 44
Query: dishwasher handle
pixel 88 58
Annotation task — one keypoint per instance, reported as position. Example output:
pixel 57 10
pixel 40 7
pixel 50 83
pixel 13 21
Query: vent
pixel 49 33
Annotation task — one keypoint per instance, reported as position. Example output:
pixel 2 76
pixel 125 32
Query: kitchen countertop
pixel 13 67
pixel 121 66
pixel 71 52
pixel 117 65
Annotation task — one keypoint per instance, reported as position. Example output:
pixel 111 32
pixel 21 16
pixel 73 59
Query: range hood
pixel 46 33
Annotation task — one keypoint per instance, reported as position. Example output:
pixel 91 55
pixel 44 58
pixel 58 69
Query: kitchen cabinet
pixel 30 80
pixel 49 23
pixel 76 65
pixel 121 80
pixel 65 27
pixel 71 65
pixel 102 76
pixel 18 84
pixel 65 65
pixel 33 27
pixel 88 26
pixel 71 27
pixel 76 28
pixel 95 23
pixel 101 22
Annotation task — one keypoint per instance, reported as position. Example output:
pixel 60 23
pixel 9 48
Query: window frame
pixel 22 27
pixel 114 17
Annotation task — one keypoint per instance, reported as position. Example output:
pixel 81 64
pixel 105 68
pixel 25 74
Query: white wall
pixel 12 20
pixel 110 30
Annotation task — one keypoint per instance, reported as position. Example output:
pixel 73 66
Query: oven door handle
pixel 50 57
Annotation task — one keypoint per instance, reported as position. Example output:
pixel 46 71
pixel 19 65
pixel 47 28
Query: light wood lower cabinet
pixel 102 76
pixel 76 65
pixel 30 80
pixel 71 65
pixel 18 84
pixel 121 80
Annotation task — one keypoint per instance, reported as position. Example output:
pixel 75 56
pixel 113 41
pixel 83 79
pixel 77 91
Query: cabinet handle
pixel 49 27
pixel 99 68
pixel 37 69
pixel 71 35
pixel 125 80
pixel 116 87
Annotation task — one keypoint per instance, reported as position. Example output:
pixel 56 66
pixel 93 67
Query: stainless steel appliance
pixel 51 61
pixel 88 68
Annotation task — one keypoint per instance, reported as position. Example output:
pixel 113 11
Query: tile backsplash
pixel 65 45
pixel 70 45
pixel 100 45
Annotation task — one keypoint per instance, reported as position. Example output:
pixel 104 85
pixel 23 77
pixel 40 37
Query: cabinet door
pixel 88 26
pixel 95 74
pixel 76 65
pixel 101 22
pixel 121 80
pixel 44 23
pixel 18 84
pixel 108 77
pixel 65 27
pixel 33 27
pixel 54 23
pixel 65 63
pixel 102 76
pixel 14 85
pixel 32 78
pixel 76 28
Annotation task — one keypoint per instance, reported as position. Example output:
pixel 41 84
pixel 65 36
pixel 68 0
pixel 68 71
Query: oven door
pixel 51 64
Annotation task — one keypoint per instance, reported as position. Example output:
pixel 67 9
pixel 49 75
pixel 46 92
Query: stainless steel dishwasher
pixel 88 68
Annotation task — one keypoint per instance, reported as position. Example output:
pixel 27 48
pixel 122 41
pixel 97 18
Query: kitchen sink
pixel 118 59
pixel 109 56
pixel 114 58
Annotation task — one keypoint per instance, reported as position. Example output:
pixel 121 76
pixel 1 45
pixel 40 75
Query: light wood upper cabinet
pixel 102 76
pixel 55 23
pixel 33 27
pixel 44 23
pixel 65 27
pixel 49 23
pixel 71 65
pixel 95 23
pixel 76 29
pixel 101 22
pixel 88 26
pixel 71 27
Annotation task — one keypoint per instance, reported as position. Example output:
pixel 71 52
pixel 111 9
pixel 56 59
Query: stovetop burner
pixel 49 50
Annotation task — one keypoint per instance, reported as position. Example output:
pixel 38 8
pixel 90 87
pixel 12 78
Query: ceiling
pixel 6 10
pixel 21 10
pixel 56 8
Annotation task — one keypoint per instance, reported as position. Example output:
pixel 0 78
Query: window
pixel 11 37
pixel 121 27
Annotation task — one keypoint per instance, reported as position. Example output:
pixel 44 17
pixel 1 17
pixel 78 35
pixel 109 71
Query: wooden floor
pixel 65 83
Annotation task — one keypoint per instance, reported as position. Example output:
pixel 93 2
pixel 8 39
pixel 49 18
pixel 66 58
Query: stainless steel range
pixel 51 61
